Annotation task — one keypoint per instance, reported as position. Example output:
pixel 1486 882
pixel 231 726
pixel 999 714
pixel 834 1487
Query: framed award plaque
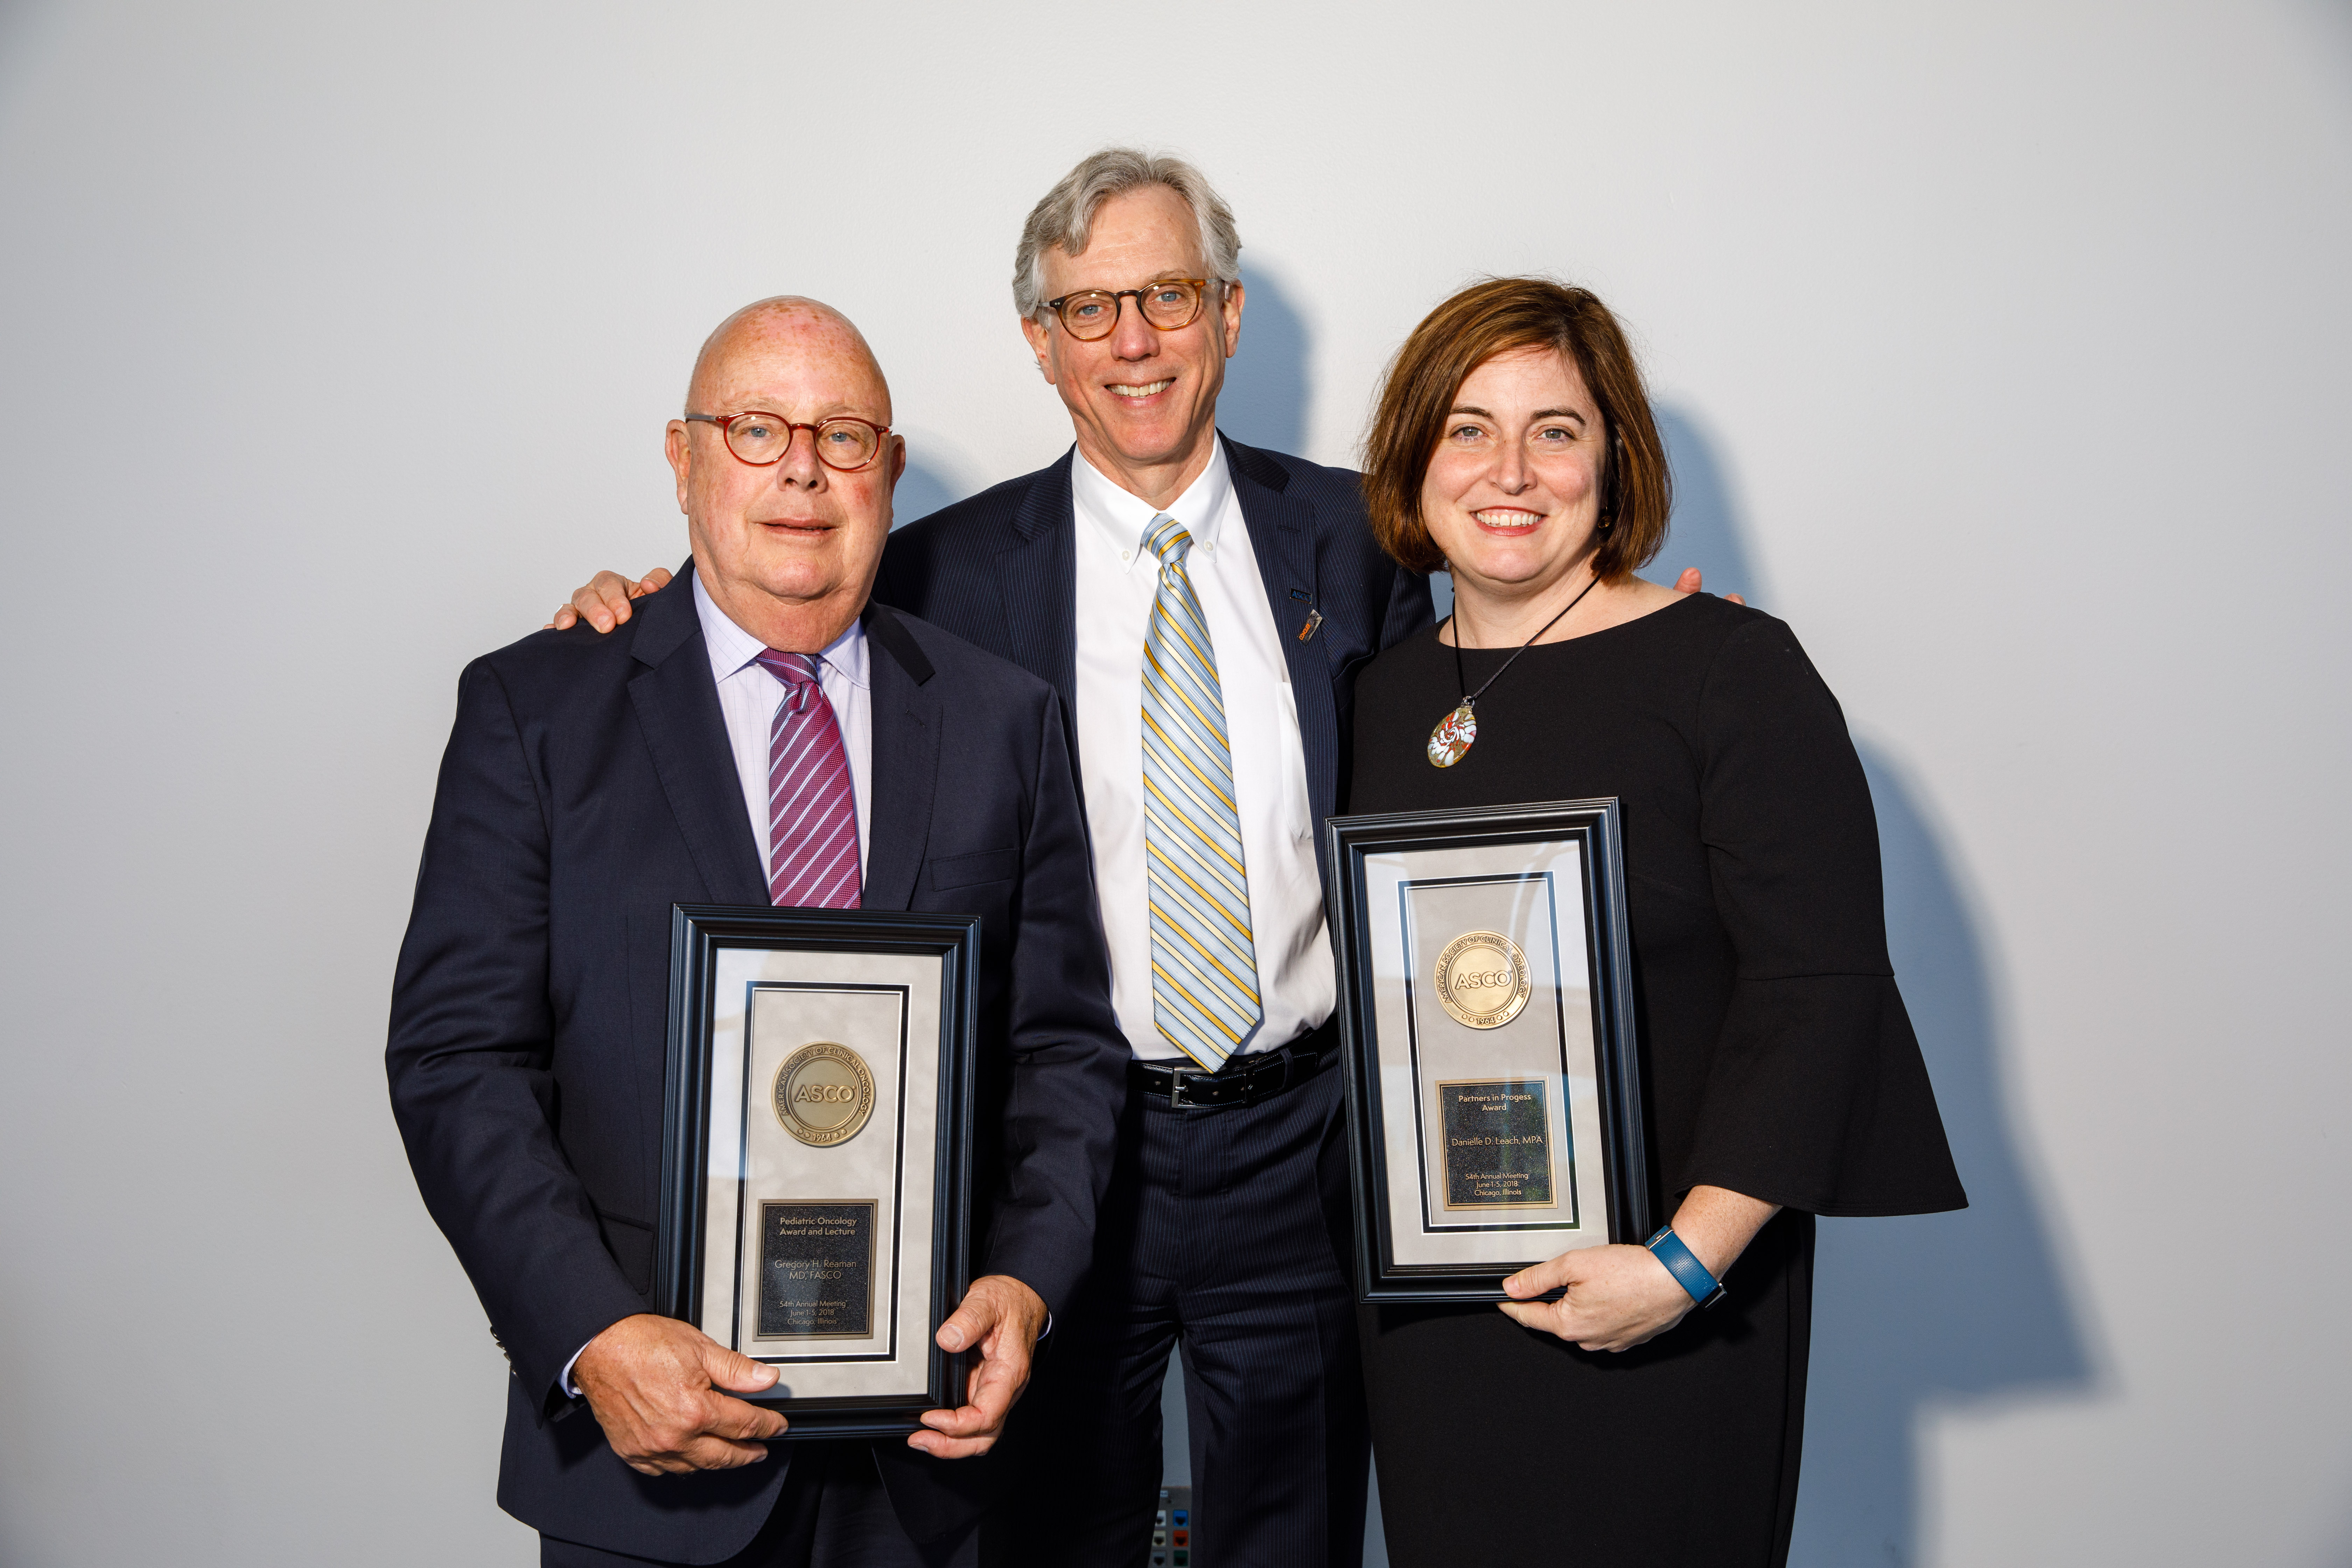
pixel 1486 1022
pixel 817 1155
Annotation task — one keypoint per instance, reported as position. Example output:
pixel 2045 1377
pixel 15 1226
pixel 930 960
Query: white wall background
pixel 2005 351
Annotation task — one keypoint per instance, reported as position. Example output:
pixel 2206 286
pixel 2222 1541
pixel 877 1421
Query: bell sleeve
pixel 1816 1097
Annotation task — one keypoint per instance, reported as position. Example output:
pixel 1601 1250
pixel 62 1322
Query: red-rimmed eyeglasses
pixel 759 438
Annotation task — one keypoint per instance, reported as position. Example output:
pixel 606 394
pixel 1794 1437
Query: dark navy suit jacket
pixel 588 786
pixel 1000 570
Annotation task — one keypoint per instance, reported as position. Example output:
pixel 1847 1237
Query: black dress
pixel 1777 1059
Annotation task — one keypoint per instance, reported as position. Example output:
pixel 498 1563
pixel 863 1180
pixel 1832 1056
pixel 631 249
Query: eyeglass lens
pixel 1167 305
pixel 763 438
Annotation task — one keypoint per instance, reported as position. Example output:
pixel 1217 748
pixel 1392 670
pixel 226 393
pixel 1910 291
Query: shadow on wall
pixel 1913 1313
pixel 923 489
pixel 1264 402
pixel 1704 534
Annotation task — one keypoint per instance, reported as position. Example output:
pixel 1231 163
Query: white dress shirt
pixel 1116 579
pixel 749 697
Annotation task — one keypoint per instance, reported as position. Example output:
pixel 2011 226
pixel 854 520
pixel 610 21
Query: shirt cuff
pixel 571 1390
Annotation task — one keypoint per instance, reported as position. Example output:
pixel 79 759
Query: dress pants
pixel 1224 1236
pixel 832 1513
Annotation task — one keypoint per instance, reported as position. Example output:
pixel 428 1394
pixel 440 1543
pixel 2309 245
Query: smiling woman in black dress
pixel 1514 446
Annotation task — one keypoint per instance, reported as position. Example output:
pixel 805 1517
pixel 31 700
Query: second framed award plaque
pixel 816 1158
pixel 1486 1007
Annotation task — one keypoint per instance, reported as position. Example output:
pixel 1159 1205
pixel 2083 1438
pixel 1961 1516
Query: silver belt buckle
pixel 1176 1097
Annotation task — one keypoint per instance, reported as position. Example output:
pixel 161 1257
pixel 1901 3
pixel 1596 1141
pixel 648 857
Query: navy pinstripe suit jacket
pixel 999 570
pixel 587 786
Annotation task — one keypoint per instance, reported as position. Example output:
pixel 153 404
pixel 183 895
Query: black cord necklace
pixel 1454 734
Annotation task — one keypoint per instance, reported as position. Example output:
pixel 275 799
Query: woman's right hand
pixel 604 600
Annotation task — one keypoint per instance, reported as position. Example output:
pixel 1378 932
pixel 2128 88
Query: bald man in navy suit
pixel 591 783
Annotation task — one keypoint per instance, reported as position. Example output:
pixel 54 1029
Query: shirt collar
pixel 1123 519
pixel 731 647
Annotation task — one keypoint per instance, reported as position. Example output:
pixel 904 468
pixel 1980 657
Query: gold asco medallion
pixel 823 1094
pixel 1482 979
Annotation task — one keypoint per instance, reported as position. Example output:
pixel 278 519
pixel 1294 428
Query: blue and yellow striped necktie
pixel 1203 962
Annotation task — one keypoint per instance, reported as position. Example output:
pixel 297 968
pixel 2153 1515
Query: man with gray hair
pixel 1201 606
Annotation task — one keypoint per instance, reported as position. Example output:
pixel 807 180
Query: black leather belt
pixel 1243 1079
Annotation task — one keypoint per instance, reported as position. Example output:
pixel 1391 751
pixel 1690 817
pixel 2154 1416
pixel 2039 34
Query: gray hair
pixel 1067 213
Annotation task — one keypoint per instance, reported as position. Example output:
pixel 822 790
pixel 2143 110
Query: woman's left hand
pixel 1618 1297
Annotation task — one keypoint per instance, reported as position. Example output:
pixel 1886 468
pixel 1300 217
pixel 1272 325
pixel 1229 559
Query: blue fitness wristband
pixel 1684 1265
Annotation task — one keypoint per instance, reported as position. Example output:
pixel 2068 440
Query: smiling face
pixel 788 551
pixel 1144 402
pixel 1512 495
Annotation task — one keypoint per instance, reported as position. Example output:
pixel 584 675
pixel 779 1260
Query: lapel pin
pixel 1314 619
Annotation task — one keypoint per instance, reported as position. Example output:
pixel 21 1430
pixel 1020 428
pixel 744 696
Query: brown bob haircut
pixel 1495 316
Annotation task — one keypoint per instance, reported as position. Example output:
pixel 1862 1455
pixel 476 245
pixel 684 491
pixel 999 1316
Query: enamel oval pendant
pixel 1452 738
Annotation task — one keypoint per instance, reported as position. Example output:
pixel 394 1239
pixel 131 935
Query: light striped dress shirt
pixel 1115 579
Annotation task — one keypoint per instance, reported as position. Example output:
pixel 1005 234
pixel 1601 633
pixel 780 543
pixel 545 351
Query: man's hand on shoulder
pixel 1003 1317
pixel 658 1387
pixel 1688 583
pixel 604 600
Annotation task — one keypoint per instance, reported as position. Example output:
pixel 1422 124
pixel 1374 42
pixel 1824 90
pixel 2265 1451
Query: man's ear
pixel 1232 306
pixel 681 453
pixel 892 472
pixel 1034 331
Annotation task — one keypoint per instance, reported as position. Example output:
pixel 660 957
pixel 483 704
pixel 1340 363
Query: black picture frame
pixel 1596 828
pixel 699 934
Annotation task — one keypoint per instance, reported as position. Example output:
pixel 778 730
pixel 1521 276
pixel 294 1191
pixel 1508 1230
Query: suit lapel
pixel 1282 533
pixel 1036 574
pixel 676 704
pixel 905 761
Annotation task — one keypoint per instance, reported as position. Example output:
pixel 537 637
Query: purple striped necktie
pixel 811 815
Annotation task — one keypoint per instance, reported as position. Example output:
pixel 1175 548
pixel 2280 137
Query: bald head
pixel 789 327
pixel 786 545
